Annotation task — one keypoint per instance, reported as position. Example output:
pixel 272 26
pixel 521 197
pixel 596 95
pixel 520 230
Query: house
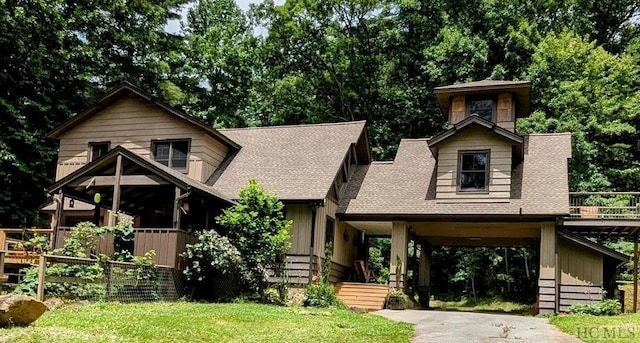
pixel 479 183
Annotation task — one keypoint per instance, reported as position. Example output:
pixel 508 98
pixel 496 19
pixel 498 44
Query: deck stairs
pixel 368 296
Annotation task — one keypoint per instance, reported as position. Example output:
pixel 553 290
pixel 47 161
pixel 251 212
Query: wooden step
pixel 362 295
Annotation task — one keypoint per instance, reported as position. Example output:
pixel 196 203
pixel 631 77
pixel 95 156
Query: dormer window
pixel 473 171
pixel 485 108
pixel 97 149
pixel 171 153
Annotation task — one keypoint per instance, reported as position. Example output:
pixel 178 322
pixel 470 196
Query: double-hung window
pixel 473 171
pixel 172 153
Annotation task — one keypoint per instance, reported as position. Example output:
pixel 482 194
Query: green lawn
pixel 480 305
pixel 601 329
pixel 192 322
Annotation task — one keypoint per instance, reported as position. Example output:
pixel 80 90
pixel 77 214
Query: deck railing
pixel 604 205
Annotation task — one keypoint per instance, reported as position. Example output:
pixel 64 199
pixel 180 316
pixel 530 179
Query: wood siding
pixel 499 188
pixel 298 269
pixel 300 214
pixel 329 210
pixel 133 123
pixel 345 252
pixel 571 295
pixel 505 112
pixel 579 265
pixel 167 243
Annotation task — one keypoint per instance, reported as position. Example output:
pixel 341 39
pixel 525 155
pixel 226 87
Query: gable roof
pixel 520 89
pixel 474 121
pixel 406 186
pixel 174 177
pixel 125 89
pixel 594 246
pixel 297 162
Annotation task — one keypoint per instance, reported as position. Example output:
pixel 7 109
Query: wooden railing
pixel 17 249
pixel 604 205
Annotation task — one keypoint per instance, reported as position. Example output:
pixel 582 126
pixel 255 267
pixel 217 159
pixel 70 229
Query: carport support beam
pixel 399 247
pixel 635 274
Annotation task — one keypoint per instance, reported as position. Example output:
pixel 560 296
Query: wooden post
pixel 176 209
pixel 314 211
pixel 424 274
pixel 42 269
pixel 635 273
pixel 399 247
pixel 115 206
pixel 59 210
pixel 2 254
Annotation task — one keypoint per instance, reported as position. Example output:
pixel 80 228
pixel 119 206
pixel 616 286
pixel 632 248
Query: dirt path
pixel 457 327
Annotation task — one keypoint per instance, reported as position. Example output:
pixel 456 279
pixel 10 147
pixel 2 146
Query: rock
pixel 19 310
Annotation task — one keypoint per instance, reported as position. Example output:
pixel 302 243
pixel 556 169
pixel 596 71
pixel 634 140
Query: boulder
pixel 19 310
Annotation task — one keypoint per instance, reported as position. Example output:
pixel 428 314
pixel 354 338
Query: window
pixel 97 149
pixel 473 171
pixel 329 233
pixel 482 107
pixel 172 154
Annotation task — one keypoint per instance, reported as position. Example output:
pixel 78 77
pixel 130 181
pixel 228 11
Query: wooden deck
pixel 368 296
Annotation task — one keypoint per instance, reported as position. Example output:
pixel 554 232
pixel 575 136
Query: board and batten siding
pixel 579 265
pixel 134 123
pixel 345 252
pixel 499 164
pixel 329 210
pixel 300 214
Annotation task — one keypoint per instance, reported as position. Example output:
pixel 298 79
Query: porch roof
pixel 406 186
pixel 594 246
pixel 296 162
pixel 82 181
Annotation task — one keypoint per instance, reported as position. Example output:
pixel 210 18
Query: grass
pixel 480 305
pixel 624 328
pixel 194 322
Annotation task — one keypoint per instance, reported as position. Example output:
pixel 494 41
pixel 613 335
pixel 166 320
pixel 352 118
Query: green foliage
pixel 82 241
pixel 211 256
pixel 258 230
pixel 321 294
pixel 606 307
pixel 123 238
pixel 396 299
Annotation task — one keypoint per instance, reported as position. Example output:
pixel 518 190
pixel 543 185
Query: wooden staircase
pixel 368 296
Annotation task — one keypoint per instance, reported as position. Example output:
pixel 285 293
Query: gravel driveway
pixel 457 327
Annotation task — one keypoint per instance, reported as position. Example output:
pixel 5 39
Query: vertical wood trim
pixel 176 210
pixel 115 206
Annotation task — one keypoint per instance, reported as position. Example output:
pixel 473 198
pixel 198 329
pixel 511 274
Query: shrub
pixel 606 307
pixel 213 254
pixel 321 295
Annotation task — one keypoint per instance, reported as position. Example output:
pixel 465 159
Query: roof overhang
pixel 125 89
pixel 521 90
pixel 143 172
pixel 577 239
pixel 516 140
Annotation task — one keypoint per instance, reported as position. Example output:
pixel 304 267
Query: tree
pixel 219 63
pixel 581 88
pixel 256 227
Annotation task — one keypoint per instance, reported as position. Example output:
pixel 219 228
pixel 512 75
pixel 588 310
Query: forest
pixel 308 61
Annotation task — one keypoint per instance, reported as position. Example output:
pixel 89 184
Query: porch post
pixel 59 199
pixel 424 274
pixel 548 283
pixel 115 205
pixel 635 274
pixel 176 208
pixel 399 245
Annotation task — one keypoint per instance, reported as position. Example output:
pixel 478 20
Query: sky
pixel 174 25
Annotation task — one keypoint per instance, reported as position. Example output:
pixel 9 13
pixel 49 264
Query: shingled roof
pixel 297 162
pixel 406 186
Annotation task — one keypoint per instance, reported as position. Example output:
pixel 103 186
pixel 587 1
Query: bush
pixel 213 254
pixel 321 295
pixel 606 307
